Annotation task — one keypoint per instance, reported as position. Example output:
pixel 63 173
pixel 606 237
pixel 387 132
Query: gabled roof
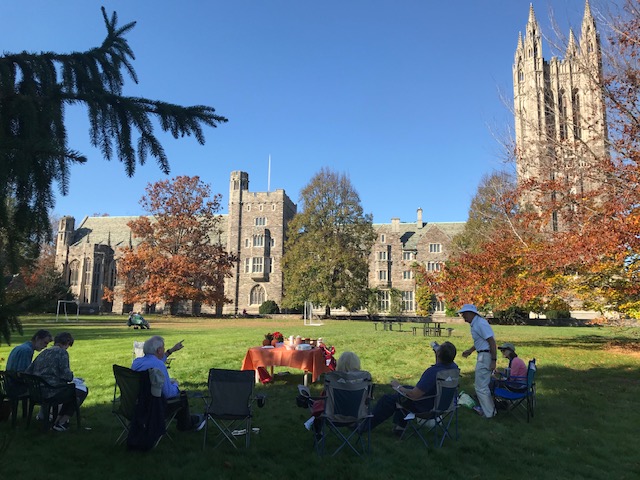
pixel 115 232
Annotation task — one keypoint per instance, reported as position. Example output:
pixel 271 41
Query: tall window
pixel 407 255
pixel 382 238
pixel 439 306
pixel 74 272
pixel 383 300
pixel 260 221
pixel 258 240
pixel 257 295
pixel 247 265
pixel 382 275
pixel 247 243
pixel 382 256
pixel 407 274
pixel 407 301
pixel 435 248
pixel 562 115
pixel 577 131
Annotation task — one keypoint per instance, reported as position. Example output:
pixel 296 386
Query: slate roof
pixel 114 231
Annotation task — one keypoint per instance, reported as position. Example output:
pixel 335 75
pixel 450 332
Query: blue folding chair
pixel 517 399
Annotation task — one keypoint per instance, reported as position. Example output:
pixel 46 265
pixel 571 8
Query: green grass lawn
pixel 585 424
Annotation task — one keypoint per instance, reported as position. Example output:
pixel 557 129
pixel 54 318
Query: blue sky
pixel 404 96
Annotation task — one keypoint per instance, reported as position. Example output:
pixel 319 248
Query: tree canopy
pixel 181 256
pixel 327 247
pixel 35 88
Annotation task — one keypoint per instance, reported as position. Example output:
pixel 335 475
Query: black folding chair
pixel 440 418
pixel 126 393
pixel 16 391
pixel 228 405
pixel 519 399
pixel 346 411
pixel 49 398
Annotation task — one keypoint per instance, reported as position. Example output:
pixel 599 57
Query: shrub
pixel 557 314
pixel 512 316
pixel 269 307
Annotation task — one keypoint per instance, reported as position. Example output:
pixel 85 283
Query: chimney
pixel 395 225
pixel 419 220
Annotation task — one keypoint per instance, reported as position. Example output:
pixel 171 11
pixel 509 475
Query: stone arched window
pixel 74 272
pixel 257 296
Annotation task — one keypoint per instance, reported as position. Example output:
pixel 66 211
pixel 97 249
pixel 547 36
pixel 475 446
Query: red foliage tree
pixel 180 256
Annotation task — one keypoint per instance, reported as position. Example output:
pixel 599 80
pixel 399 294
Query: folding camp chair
pixel 524 398
pixel 40 394
pixel 14 390
pixel 444 412
pixel 228 405
pixel 125 398
pixel 346 411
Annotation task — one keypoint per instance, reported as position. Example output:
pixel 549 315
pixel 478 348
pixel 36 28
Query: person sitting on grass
pixel 155 356
pixel 52 365
pixel 411 398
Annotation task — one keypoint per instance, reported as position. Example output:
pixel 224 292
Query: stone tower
pixel 66 228
pixel 256 234
pixel 559 112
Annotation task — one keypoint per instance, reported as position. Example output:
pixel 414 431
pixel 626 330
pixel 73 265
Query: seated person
pixel 137 320
pixel 21 356
pixel 348 362
pixel 412 397
pixel 155 356
pixel 514 377
pixel 52 365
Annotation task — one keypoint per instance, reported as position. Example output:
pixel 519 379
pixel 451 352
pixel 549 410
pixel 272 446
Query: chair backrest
pixel 347 395
pixel 446 389
pixel 4 388
pixel 137 349
pixel 36 386
pixel 531 373
pixel 128 382
pixel 230 392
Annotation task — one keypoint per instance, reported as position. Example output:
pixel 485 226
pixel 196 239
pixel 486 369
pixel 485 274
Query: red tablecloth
pixel 311 361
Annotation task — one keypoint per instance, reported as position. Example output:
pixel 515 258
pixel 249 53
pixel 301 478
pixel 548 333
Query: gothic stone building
pixel 255 231
pixel 559 112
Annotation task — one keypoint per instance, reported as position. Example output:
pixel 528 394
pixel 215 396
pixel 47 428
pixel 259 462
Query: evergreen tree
pixel 328 245
pixel 35 88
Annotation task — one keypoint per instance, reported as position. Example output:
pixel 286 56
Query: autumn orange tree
pixel 180 255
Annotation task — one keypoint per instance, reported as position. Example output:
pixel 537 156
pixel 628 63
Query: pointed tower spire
pixel 532 15
pixel 572 46
pixel 589 37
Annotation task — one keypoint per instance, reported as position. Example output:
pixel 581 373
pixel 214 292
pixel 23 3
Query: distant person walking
pixel 484 344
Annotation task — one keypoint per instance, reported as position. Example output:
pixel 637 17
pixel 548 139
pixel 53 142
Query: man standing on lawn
pixel 484 344
pixel 155 356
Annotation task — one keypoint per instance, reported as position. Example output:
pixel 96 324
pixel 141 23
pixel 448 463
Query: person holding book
pixel 52 365
pixel 418 398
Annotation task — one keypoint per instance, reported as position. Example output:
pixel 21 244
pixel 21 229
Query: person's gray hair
pixel 153 344
pixel 348 362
